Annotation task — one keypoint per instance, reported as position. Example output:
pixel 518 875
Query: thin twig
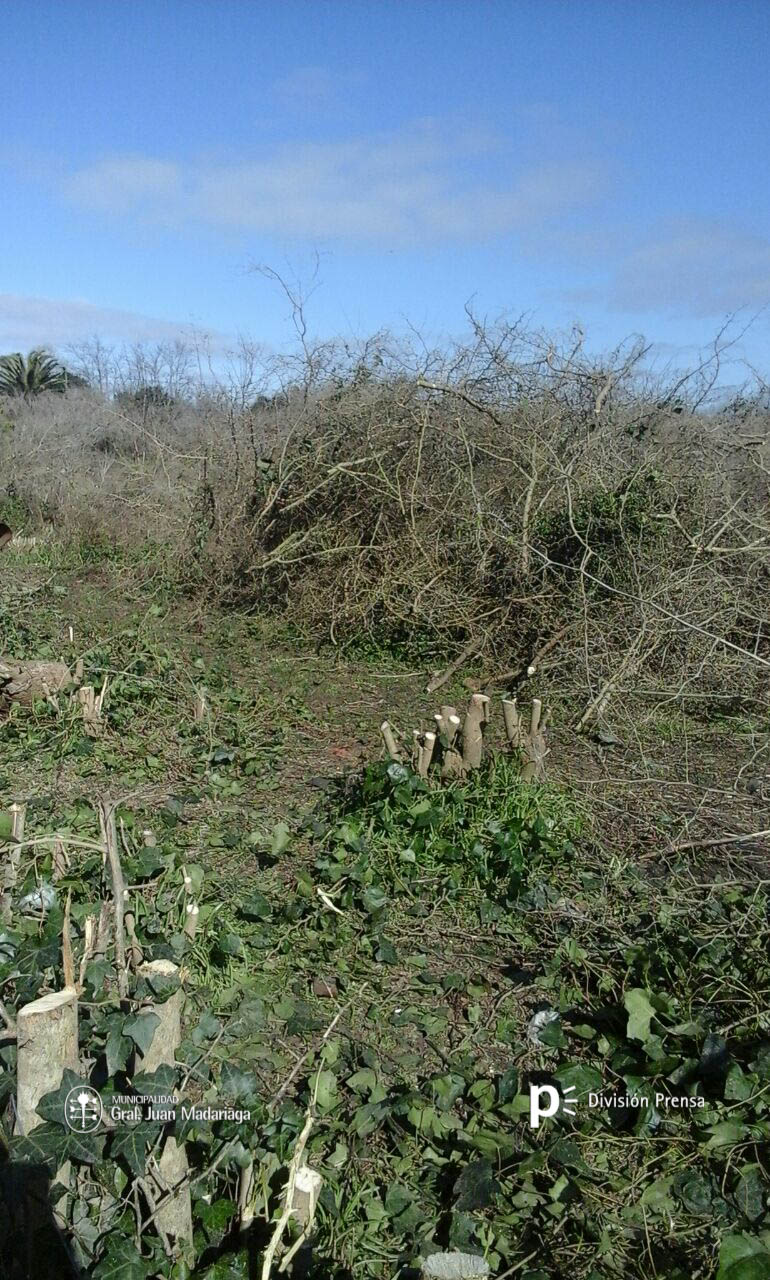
pixel 301 1061
pixel 68 964
pixel 471 650
pixel 720 840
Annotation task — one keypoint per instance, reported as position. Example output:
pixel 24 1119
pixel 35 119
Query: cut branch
pixel 11 871
pixel 471 650
pixel 110 838
pixel 476 719
pixel 174 1213
pixel 389 738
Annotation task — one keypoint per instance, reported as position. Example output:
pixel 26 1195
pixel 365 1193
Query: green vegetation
pixel 442 920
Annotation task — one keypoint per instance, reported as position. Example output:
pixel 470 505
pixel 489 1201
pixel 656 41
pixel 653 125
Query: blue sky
pixel 598 161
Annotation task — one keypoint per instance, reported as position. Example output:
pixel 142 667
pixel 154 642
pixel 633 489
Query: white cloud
pixel 29 322
pixel 123 181
pixel 315 86
pixel 419 186
pixel 694 267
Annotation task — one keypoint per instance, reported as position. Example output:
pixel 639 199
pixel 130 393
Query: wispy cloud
pixel 28 322
pixel 315 87
pixel 420 186
pixel 694 267
pixel 124 182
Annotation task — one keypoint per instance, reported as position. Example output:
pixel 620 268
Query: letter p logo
pixel 537 1111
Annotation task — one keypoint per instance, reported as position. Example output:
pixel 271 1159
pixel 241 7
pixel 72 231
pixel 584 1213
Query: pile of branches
pixel 509 496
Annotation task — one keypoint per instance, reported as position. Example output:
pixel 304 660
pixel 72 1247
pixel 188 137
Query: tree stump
pixel 531 742
pixel 25 682
pixel 47 1044
pixel 453 1266
pixel 47 1031
pixel 476 718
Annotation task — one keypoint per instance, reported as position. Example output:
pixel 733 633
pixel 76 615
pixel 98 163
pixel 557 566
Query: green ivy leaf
pixel 386 953
pixel 132 1142
pixel 239 1085
pixel 51 1145
pixel 97 972
pixel 122 1261
pixel 726 1134
pixel 742 1257
pixel 158 1083
pixel 757 1267
pixel 148 862
pixel 694 1191
pixel 280 839
pixel 215 1216
pixel 508 1085
pixel 117 1049
pixel 397 1199
pixel 640 1013
pixel 141 1030
pixel 255 907
pixel 327 1096
pixel 159 985
pixel 373 899
pixel 738 1087
pixel 476 1186
pixel 229 943
pixel 51 1105
pixel 582 1078
pixel 751 1192
pixel 552 1035
pixel 363 1081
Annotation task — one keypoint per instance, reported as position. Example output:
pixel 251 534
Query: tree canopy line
pixel 164 374
pixel 36 373
pixel 41 372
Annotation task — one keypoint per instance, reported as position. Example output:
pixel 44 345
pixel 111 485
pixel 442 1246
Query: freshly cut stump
pixel 26 681
pixel 47 1031
pixel 47 1044
pixel 454 1266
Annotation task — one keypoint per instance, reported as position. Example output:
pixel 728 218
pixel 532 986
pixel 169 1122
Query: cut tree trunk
pixel 91 704
pixel 307 1188
pixel 26 682
pixel 389 738
pixel 11 869
pixel 473 731
pixel 454 1266
pixel 47 1045
pixel 425 753
pixel 531 742
pixel 112 855
pixel 448 722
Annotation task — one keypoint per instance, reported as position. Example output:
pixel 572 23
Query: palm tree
pixel 30 375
